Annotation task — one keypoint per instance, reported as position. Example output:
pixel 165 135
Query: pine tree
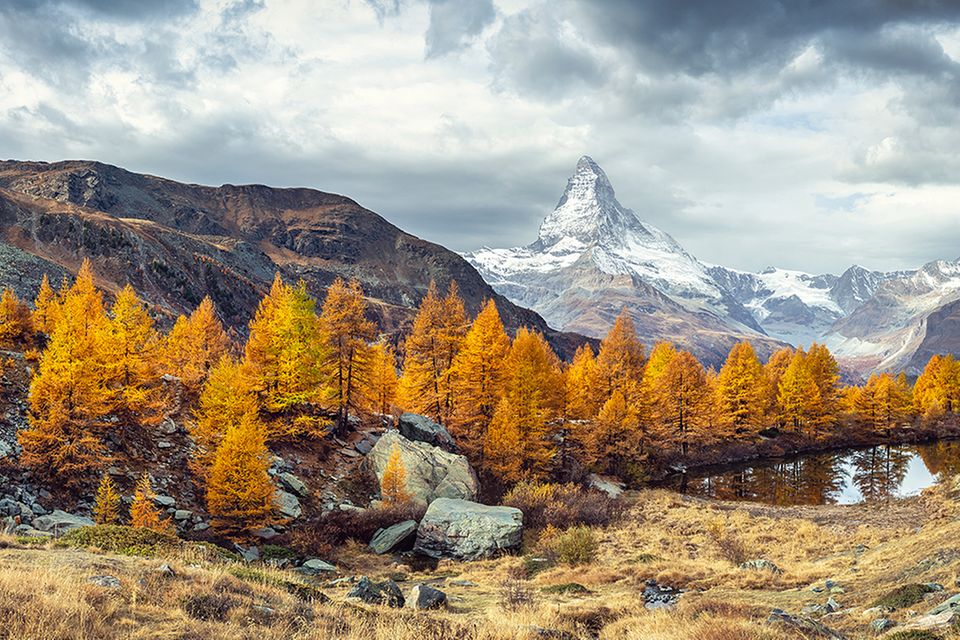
pixel 344 325
pixel 937 390
pixel 682 398
pixel 478 379
pixel 741 391
pixel 773 371
pixel 883 403
pixel 621 360
pixel 393 485
pixel 106 507
pixel 194 345
pixel 239 490
pixel 503 451
pixel 16 322
pixel 381 385
pixel 651 405
pixel 143 513
pixel 283 361
pixel 45 307
pixel 132 350
pixel 615 441
pixel 583 401
pixel 70 400
pixel 435 338
pixel 799 396
pixel 826 374
pixel 225 399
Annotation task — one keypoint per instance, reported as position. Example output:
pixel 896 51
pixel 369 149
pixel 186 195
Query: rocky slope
pixel 178 242
pixel 594 257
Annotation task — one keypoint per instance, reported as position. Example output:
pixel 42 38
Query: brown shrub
pixel 575 546
pixel 514 595
pixel 563 505
pixel 334 528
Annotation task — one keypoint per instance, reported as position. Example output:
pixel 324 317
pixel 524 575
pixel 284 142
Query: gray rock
pixel 107 582
pixel 463 583
pixel 607 484
pixel 293 484
pixel 265 533
pixel 424 596
pixel 431 472
pixel 881 624
pixel 386 592
pixel 399 536
pixel 59 522
pixel 164 444
pixel 28 531
pixel 465 530
pixel 164 501
pixel 657 596
pixel 364 446
pixel 249 554
pixel 201 526
pixel 287 504
pixel 182 514
pixel 314 567
pixel 931 621
pixel 805 626
pixel 949 604
pixel 761 564
pixel 9 507
pixel 832 606
pixel 421 429
pixel 165 570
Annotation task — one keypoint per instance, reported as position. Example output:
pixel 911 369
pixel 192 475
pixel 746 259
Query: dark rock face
pixel 421 429
pixel 385 593
pixel 176 243
pixel 399 537
pixel 423 596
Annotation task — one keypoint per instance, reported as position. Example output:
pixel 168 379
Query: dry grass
pixel 45 592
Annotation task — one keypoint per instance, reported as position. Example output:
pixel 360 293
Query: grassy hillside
pixel 872 554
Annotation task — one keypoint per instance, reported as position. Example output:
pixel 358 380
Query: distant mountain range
pixel 176 243
pixel 594 257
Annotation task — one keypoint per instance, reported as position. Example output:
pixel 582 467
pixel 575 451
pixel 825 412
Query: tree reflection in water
pixel 876 474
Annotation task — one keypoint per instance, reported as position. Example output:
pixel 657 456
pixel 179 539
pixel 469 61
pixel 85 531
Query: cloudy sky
pixel 806 134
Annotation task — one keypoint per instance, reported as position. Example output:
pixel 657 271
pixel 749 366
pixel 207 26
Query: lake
pixel 874 474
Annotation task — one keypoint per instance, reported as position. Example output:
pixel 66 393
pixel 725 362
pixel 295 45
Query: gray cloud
pixel 453 23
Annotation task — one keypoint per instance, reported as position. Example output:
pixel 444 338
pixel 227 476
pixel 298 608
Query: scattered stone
pixel 364 446
pixel 164 501
pixel 314 567
pixel 809 628
pixel 421 429
pixel 293 484
pixel 165 570
pixel 431 472
pixel 609 485
pixel 656 596
pixel 463 583
pixel 385 593
pixel 832 606
pixel 423 596
pixel 830 584
pixel 397 537
pixel 265 533
pixel 182 514
pixel 342 581
pixel 346 506
pixel 882 624
pixel 201 526
pixel 350 453
pixel 249 554
pixel 949 604
pixel 287 504
pixel 761 564
pixel 465 530
pixel 164 444
pixel 59 522
pixel 817 589
pixel 107 582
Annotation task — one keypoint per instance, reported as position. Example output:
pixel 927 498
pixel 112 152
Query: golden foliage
pixel 393 485
pixel 239 489
pixel 194 345
pixel 143 512
pixel 106 507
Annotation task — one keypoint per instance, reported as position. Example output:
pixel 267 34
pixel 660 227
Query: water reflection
pixel 875 474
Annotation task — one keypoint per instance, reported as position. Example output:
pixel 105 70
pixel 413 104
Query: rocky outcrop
pixel 421 429
pixel 59 522
pixel 431 472
pixel 396 538
pixel 465 530
pixel 806 627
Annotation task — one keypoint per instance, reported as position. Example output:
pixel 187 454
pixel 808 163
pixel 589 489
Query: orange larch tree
pixel 16 321
pixel 621 361
pixel 393 485
pixel 194 345
pixel 46 307
pixel 741 392
pixel 144 513
pixel 380 388
pixel 239 490
pixel 226 397
pixel 682 399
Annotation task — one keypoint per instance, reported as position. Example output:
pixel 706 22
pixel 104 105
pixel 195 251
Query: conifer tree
pixel 344 324
pixel 143 513
pixel 741 391
pixel 937 390
pixel 45 307
pixel 434 341
pixel 69 396
pixel 393 485
pixel 826 374
pixel 583 401
pixel 799 396
pixel 283 361
pixel 478 379
pixel 682 398
pixel 651 405
pixel 106 507
pixel 621 360
pixel 773 371
pixel 16 323
pixel 503 450
pixel 883 403
pixel 225 399
pixel 381 384
pixel 132 350
pixel 239 490
pixel 194 345
pixel 615 441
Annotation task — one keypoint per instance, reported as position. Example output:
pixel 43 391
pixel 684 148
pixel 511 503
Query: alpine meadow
pixel 719 402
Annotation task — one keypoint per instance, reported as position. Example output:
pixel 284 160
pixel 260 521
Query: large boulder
pixel 424 596
pixel 465 530
pixel 59 522
pixel 420 429
pixel 431 472
pixel 399 536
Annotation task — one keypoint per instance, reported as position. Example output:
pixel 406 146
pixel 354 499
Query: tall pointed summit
pixel 591 247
